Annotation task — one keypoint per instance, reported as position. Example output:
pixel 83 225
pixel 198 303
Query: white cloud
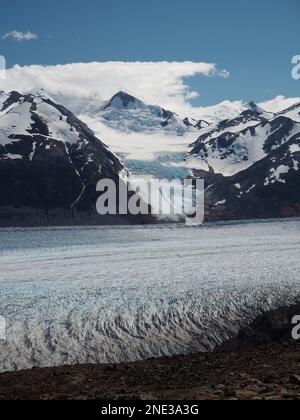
pixel 161 83
pixel 20 36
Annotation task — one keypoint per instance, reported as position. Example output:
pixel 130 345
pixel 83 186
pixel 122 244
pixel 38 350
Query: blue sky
pixel 254 40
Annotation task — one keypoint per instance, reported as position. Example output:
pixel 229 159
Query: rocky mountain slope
pixel 251 165
pixel 50 163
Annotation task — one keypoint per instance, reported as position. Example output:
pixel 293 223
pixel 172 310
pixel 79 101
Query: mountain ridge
pixel 251 165
pixel 50 164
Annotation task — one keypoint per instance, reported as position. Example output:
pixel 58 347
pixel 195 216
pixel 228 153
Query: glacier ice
pixel 113 294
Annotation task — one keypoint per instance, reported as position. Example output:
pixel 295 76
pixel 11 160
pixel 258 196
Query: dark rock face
pixel 123 98
pixel 271 327
pixel 195 124
pixel 253 165
pixel 221 137
pixel 269 188
pixel 202 124
pixel 278 132
pixel 124 112
pixel 50 164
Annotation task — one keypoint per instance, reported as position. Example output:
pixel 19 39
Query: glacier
pixel 118 294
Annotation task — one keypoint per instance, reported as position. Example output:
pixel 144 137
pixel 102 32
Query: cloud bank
pixel 82 85
pixel 162 83
pixel 20 36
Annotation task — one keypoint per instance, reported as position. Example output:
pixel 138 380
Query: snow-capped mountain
pixel 229 110
pixel 127 114
pixel 251 164
pixel 50 163
pixel 234 145
pixel 225 110
pixel 149 139
pixel 279 104
pixel 225 148
pixel 269 188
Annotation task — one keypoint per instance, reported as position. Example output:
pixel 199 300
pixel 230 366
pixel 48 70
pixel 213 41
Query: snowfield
pixel 92 295
pixel 143 146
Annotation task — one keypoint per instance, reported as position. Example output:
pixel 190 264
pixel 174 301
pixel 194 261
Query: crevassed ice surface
pixel 93 295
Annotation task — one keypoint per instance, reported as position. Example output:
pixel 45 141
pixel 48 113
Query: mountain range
pixel 51 160
pixel 251 165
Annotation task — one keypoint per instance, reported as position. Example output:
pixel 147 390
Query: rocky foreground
pixel 263 363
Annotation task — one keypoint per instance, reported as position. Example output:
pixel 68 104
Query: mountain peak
pixel 127 113
pixel 252 104
pixel 40 93
pixel 123 100
pixel 33 130
pixel 256 109
pixel 9 99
